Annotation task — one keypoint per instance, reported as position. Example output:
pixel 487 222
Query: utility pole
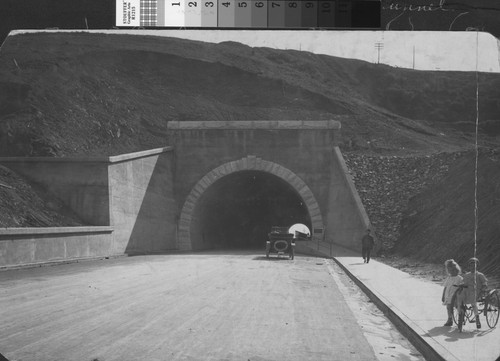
pixel 379 46
pixel 413 57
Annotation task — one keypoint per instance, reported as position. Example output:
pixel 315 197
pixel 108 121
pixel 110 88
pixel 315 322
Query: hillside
pixel 423 208
pixel 429 229
pixel 406 135
pixel 118 92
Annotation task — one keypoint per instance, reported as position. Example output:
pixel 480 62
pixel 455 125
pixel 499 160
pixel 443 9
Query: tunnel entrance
pixel 238 210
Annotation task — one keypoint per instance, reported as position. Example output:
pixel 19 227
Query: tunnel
pixel 238 210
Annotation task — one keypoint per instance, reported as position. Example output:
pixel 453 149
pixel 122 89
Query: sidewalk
pixel 414 306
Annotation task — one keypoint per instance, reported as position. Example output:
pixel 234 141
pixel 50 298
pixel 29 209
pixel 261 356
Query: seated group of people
pixel 474 284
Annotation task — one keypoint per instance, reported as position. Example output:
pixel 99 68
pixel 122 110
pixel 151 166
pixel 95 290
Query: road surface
pixel 201 306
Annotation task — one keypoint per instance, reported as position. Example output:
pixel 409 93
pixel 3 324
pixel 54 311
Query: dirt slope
pixel 105 94
pixel 28 205
pixel 439 222
pixel 405 133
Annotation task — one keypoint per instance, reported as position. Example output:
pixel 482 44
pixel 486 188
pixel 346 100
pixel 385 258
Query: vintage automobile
pixel 281 240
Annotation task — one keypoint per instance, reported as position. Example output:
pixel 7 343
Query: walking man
pixel 367 244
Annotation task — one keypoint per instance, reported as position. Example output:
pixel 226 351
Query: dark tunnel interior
pixel 238 211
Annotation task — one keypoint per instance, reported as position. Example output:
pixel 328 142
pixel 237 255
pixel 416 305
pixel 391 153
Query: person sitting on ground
pixel 453 271
pixel 367 244
pixel 475 285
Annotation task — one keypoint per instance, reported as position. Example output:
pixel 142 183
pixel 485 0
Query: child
pixel 476 283
pixel 453 270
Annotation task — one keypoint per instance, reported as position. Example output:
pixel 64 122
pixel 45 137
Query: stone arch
pixel 248 163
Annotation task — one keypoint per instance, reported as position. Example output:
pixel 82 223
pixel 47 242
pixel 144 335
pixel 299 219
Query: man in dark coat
pixel 367 244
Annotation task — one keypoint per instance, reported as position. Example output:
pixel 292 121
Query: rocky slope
pixel 423 208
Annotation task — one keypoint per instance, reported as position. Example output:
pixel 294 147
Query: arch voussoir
pixel 247 163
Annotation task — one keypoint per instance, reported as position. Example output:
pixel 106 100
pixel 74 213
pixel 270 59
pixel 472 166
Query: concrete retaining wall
pixel 29 246
pixel 131 194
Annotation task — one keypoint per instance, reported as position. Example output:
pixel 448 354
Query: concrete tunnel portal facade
pixel 220 184
pixel 236 204
pixel 234 180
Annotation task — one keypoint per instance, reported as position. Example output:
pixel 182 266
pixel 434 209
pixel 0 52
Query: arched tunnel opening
pixel 238 211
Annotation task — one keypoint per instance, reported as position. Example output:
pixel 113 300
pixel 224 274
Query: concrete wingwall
pixel 126 202
pixel 142 204
pixel 346 217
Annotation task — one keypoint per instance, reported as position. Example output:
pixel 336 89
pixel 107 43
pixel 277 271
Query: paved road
pixel 179 307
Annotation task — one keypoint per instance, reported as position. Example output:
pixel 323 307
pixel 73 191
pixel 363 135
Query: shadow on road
pixel 222 251
pixel 453 334
pixel 356 264
pixel 271 258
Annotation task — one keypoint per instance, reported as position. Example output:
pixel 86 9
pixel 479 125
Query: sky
pixel 420 50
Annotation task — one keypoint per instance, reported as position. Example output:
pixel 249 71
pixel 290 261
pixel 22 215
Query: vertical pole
pixel 413 57
pixel 379 46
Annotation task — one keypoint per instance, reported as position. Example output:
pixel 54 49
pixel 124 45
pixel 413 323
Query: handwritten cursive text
pixel 398 6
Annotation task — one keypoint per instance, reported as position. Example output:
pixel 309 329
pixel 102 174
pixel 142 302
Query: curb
pixel 430 349
pixel 308 251
pixel 57 263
